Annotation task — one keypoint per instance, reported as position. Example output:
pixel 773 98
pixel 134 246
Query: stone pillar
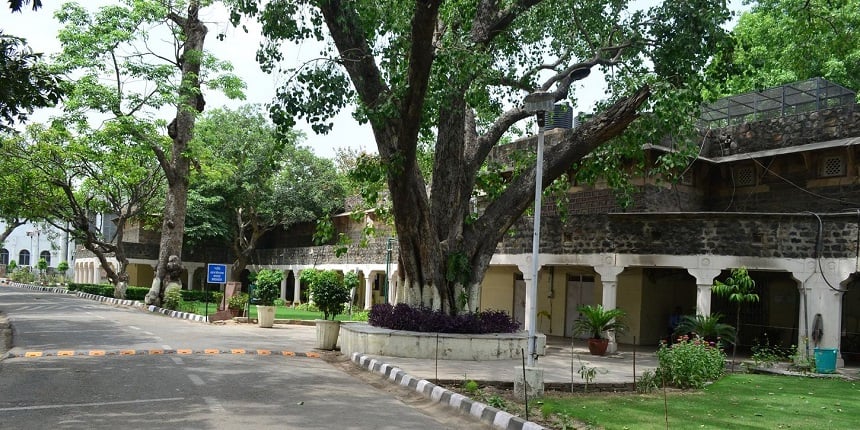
pixel 609 280
pixel 368 290
pixel 821 294
pixel 704 282
pixel 297 287
pixel 284 285
pixel 191 277
pixel 97 275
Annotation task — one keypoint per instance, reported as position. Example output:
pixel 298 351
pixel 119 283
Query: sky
pixel 40 29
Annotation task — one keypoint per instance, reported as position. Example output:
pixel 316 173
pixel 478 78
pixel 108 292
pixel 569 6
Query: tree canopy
pixel 455 73
pixel 27 83
pixel 253 179
pixel 781 41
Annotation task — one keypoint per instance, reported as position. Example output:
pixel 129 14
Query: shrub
pixel 308 307
pixel 328 293
pixel 136 293
pixel 268 286
pixel 690 363
pixel 173 299
pixel 238 301
pixel 405 317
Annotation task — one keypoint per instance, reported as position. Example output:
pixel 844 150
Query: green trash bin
pixel 825 360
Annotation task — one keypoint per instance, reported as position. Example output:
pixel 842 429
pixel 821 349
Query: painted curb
pixel 488 414
pixel 113 301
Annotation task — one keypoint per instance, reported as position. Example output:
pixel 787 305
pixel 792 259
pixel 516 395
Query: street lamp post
pixel 540 103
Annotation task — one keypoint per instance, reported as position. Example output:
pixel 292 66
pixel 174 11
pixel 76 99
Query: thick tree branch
pixel 560 154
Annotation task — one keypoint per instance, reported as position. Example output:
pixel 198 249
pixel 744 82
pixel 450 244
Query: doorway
pixel 580 291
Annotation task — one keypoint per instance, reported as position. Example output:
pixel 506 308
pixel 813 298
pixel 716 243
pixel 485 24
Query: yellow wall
pixel 629 298
pixel 497 290
pixel 140 275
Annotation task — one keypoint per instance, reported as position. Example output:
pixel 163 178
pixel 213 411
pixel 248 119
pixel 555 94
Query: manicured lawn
pixel 739 401
pixel 281 312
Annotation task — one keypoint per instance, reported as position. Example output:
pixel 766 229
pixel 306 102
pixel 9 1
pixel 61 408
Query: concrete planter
pixel 266 316
pixel 327 333
pixel 366 339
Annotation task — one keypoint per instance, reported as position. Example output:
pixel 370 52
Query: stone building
pixel 775 188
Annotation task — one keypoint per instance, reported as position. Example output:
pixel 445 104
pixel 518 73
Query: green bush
pixel 238 301
pixel 268 286
pixel 23 275
pixel 99 290
pixel 329 293
pixel 690 363
pixel 173 299
pixel 309 307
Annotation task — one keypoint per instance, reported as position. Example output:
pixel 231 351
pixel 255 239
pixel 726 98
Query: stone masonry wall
pixel 759 235
pixel 783 132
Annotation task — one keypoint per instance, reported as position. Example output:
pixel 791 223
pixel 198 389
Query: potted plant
pixel 329 294
pixel 266 290
pixel 595 321
pixel 237 303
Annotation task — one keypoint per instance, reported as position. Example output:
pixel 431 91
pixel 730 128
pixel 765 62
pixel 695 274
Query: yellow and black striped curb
pixel 493 416
pixel 213 351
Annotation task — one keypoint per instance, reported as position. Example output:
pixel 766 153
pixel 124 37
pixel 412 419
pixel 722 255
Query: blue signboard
pixel 217 274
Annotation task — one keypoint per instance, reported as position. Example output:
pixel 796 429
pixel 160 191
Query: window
pixel 745 176
pixel 46 255
pixel 832 166
pixel 24 258
pixel 4 256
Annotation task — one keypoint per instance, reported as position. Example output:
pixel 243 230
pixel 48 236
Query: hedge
pixel 135 293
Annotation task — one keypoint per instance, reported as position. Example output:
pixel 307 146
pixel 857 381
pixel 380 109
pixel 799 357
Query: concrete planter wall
pixel 363 338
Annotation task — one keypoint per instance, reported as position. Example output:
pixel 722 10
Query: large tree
pixel 456 72
pixel 133 61
pixel 782 41
pixel 76 175
pixel 253 179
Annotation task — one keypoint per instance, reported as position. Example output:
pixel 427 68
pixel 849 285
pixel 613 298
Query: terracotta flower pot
pixel 597 346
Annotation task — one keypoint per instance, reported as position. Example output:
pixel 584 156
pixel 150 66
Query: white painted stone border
pixel 495 417
pixel 113 301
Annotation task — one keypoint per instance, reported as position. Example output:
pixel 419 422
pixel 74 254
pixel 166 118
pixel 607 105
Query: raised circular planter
pixel 366 339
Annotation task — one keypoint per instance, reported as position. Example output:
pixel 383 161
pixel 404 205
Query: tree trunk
pixel 176 166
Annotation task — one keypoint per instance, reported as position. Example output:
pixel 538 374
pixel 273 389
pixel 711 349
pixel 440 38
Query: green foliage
pixel 172 299
pixel 782 41
pixel 595 319
pixel 12 266
pixel 647 382
pixel 238 302
pixel 764 354
pixel 27 82
pixel 328 293
pixel 268 286
pixel 470 387
pixel 42 264
pixel 309 307
pixel 690 363
pixel 63 267
pixel 707 327
pixel 496 401
pixel 740 289
pixel 359 316
pixel 23 275
pixel 350 280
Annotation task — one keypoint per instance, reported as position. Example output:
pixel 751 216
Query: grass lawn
pixel 281 312
pixel 738 401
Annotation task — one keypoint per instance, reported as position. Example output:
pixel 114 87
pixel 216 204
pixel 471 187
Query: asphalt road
pixel 194 390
